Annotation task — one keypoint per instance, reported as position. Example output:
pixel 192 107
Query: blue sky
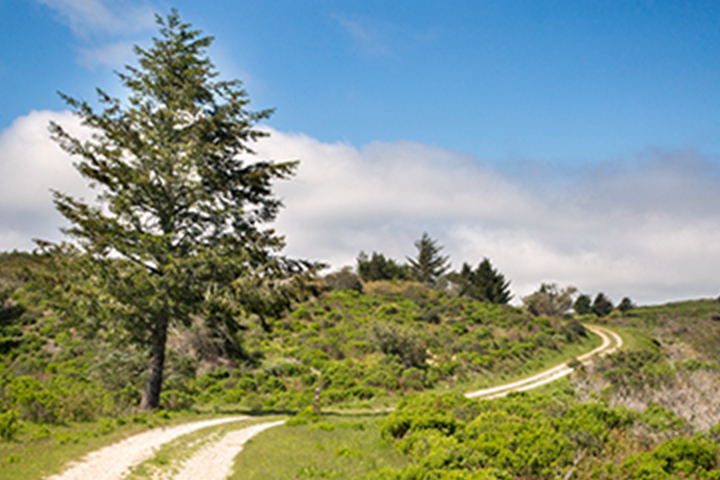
pixel 559 81
pixel 596 124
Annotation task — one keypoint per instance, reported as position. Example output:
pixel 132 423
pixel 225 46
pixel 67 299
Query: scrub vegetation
pixel 361 349
pixel 544 436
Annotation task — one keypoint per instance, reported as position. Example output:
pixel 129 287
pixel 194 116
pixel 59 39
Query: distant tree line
pixel 602 306
pixel 549 300
pixel 484 283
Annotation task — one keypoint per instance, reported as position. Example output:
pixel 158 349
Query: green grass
pixel 39 451
pixel 339 446
pixel 631 336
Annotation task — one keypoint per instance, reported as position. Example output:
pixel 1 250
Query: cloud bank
pixel 30 166
pixel 646 226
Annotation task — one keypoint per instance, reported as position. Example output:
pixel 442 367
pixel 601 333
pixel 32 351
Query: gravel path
pixel 542 378
pixel 215 461
pixel 111 462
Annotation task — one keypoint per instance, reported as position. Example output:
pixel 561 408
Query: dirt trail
pixel 111 462
pixel 215 461
pixel 608 346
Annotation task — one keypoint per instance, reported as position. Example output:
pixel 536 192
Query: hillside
pixel 648 411
pixel 359 348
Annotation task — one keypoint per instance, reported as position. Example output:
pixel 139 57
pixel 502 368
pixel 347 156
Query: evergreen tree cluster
pixel 602 306
pixel 378 267
pixel 485 283
pixel 429 267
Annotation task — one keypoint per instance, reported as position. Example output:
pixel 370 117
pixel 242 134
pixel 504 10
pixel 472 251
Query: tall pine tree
pixel 429 265
pixel 177 231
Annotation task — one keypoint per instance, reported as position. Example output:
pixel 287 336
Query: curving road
pixel 214 461
pixel 611 341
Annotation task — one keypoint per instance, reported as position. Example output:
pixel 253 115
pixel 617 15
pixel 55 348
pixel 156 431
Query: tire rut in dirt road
pixel 215 461
pixel 113 461
pixel 608 346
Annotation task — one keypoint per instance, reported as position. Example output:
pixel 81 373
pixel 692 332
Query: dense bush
pixel 682 457
pixel 9 424
pixel 537 437
pixel 396 338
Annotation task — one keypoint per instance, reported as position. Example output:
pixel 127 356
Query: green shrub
pixel 399 340
pixel 423 412
pixel 176 400
pixel 413 379
pixel 33 400
pixel 9 424
pixel 309 379
pixel 253 402
pixel 273 385
pixel 316 358
pixel 303 417
pixel 246 383
pixel 693 365
pixel 695 457
pixel 660 418
pixel 519 436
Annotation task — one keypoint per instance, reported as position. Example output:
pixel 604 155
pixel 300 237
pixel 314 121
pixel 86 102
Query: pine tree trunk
pixel 153 386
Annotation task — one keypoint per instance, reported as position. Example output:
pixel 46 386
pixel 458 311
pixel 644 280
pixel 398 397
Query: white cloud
pixel 102 16
pixel 111 55
pixel 645 227
pixel 30 165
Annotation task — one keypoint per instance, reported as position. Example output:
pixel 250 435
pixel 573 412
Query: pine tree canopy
pixel 583 305
pixel 486 283
pixel 429 264
pixel 176 231
pixel 602 306
pixel 378 267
